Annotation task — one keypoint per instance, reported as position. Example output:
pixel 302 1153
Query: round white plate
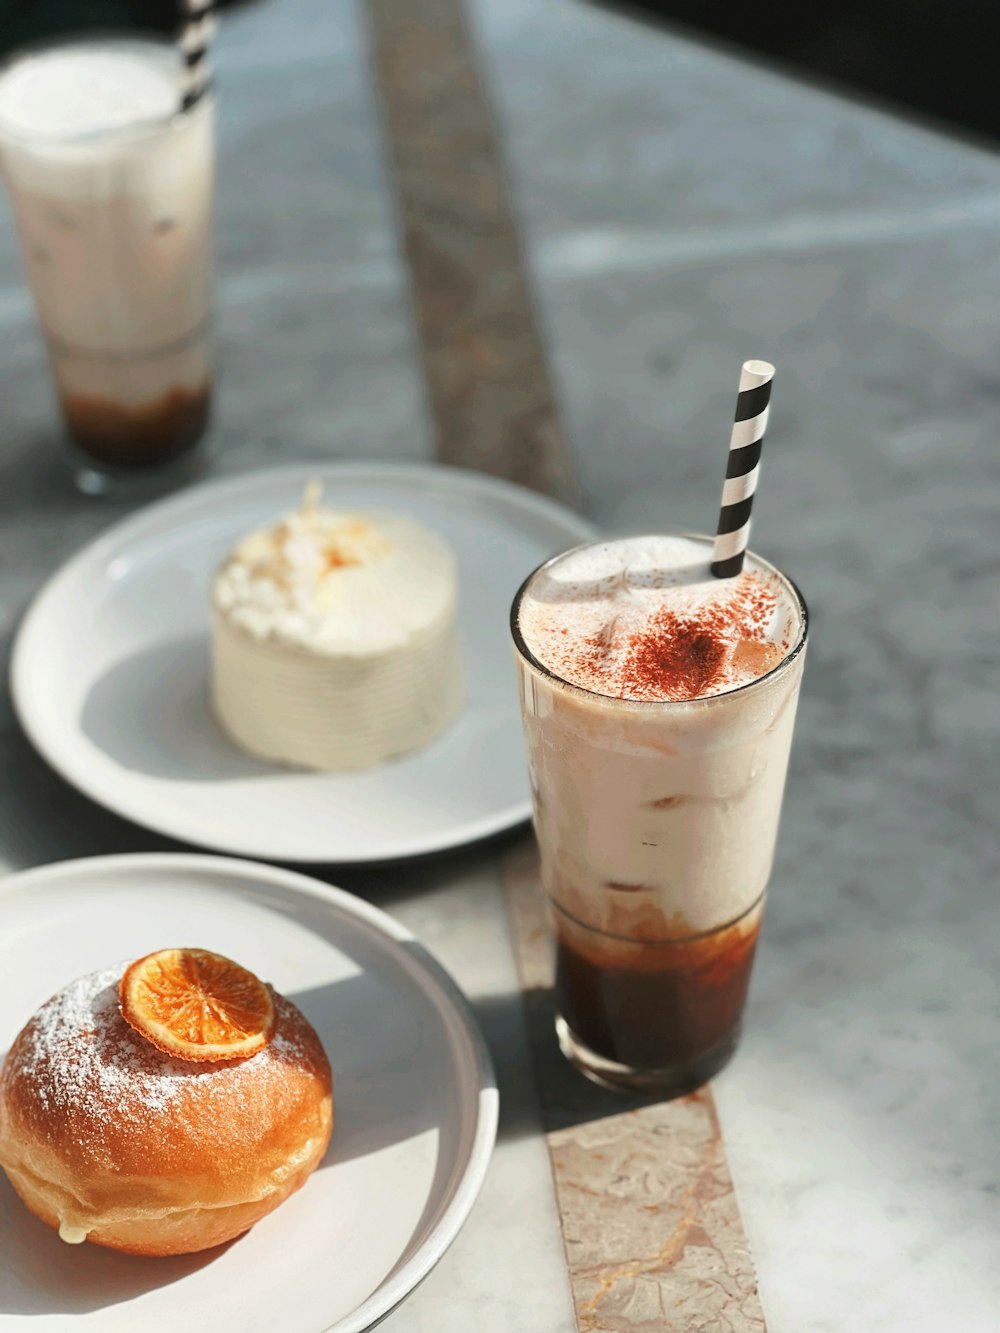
pixel 110 673
pixel 415 1101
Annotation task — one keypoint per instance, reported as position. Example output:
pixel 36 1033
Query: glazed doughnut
pixel 108 1139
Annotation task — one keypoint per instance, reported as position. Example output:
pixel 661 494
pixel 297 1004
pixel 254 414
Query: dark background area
pixel 26 21
pixel 926 56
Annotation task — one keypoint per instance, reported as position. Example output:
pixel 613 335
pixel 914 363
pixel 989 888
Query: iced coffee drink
pixel 111 189
pixel 658 706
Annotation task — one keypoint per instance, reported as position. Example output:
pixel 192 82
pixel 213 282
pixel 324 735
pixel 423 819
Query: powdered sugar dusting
pixel 82 1059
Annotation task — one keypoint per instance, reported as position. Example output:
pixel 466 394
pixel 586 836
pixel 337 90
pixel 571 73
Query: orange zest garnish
pixel 197 1005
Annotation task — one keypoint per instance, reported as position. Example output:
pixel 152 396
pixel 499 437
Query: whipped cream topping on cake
pixel 335 638
pixel 333 581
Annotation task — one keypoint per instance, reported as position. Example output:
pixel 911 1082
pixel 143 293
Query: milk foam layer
pixel 643 619
pixel 77 91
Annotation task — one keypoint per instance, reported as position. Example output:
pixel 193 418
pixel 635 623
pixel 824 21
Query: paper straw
pixel 194 39
pixel 742 469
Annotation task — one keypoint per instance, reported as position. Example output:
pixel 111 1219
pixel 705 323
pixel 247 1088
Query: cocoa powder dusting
pixel 687 655
pixel 683 654
pixel 676 654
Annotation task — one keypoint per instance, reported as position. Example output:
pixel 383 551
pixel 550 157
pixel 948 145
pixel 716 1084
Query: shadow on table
pixel 557 1092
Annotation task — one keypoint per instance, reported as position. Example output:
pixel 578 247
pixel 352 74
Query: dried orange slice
pixel 197 1005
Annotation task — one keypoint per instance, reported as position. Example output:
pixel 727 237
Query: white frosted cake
pixel 334 639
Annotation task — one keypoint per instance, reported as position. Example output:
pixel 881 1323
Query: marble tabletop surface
pixel 682 209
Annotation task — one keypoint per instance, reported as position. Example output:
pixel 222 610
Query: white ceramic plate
pixel 415 1101
pixel 110 673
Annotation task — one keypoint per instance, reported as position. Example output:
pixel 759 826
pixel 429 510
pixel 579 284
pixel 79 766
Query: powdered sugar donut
pixel 108 1139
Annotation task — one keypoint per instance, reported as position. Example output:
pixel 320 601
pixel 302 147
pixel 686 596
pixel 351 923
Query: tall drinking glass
pixel 111 188
pixel 658 707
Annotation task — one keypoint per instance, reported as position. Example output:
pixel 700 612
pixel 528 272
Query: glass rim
pixel 146 128
pixel 529 657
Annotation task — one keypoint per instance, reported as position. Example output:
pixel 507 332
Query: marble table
pixel 681 208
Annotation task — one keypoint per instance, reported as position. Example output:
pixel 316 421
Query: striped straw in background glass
pixel 194 39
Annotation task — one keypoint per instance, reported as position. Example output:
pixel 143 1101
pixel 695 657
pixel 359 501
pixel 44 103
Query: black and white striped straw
pixel 194 40
pixel 742 469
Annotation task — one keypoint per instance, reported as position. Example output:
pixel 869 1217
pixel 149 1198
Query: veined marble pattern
pixel 659 1249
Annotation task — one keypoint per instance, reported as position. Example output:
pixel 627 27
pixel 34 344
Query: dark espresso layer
pixel 142 434
pixel 669 1006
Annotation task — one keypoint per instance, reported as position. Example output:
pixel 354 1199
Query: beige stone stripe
pixel 651 1228
pixel 492 402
